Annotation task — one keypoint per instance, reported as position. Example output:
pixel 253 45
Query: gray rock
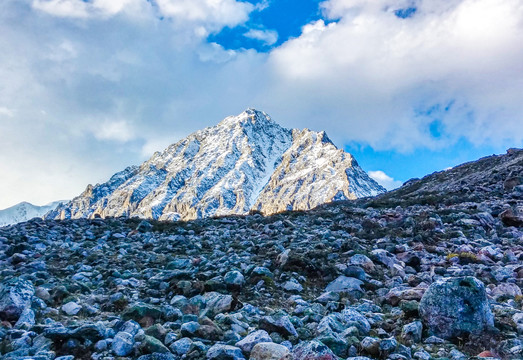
pixel 181 347
pixel 224 352
pixel 26 319
pixel 411 333
pixel 278 323
pixel 353 318
pixel 344 283
pixel 255 337
pixel 456 306
pixel 189 329
pixel 15 297
pixel 270 351
pixel 123 344
pixel 71 308
pixel 234 279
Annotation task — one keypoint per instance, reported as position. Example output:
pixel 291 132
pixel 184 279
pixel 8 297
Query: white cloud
pixel 4 111
pixel 199 17
pixel 385 180
pixel 85 9
pixel 268 37
pixel 379 76
pixel 215 14
pixel 119 130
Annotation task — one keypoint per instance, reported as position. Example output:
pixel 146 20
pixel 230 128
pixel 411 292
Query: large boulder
pixel 454 307
pixel 15 297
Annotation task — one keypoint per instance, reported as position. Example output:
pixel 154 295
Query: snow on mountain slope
pixel 25 211
pixel 228 169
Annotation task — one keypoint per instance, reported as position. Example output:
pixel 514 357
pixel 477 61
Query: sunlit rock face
pixel 246 162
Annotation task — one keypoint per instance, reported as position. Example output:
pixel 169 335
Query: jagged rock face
pixel 313 171
pixel 245 162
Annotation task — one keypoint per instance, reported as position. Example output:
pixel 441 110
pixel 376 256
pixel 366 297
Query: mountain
pixel 25 211
pixel 246 162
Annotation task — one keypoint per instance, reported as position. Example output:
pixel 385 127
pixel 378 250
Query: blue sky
pixel 285 17
pixel 408 86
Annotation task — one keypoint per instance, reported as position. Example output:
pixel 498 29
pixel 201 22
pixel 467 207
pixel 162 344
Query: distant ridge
pixel 246 162
pixel 25 211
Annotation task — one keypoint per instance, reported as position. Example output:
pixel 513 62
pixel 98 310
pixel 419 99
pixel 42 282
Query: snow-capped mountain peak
pixel 245 162
pixel 25 211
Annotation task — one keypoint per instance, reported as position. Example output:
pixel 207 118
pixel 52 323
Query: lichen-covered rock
pixel 454 307
pixel 15 297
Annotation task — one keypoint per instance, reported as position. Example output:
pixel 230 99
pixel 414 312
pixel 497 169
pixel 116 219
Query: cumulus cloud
pixel 268 37
pixel 388 78
pixel 385 180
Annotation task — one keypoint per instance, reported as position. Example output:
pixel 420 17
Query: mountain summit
pixel 246 162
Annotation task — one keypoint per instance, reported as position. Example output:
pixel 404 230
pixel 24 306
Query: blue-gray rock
pixel 189 329
pixel 345 283
pixel 26 319
pixel 123 344
pixel 71 308
pixel 353 318
pixel 411 333
pixel 255 337
pixel 181 347
pixel 15 297
pixel 454 307
pixel 157 356
pixel 224 352
pixel 234 279
pixel 278 323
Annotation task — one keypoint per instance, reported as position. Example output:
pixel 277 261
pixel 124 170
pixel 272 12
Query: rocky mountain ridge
pixel 25 211
pixel 409 275
pixel 246 162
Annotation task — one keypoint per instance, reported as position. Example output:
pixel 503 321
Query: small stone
pixel 71 308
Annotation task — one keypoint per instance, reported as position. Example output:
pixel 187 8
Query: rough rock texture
pixel 15 297
pixel 455 307
pixel 246 162
pixel 176 289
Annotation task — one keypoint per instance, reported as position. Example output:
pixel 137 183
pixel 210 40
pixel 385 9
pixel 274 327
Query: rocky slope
pixel 246 162
pixel 25 211
pixel 409 275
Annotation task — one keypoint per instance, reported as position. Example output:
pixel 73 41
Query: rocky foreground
pixel 431 271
